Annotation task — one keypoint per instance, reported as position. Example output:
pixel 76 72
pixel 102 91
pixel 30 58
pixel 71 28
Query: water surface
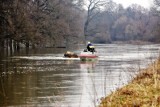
pixel 49 80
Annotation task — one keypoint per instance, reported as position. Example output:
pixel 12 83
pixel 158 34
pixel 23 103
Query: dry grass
pixel 143 91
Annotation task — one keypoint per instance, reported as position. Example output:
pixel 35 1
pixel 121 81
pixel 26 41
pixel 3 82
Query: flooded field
pixel 49 80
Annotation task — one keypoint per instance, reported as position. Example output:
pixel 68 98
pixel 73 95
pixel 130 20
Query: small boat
pixel 88 56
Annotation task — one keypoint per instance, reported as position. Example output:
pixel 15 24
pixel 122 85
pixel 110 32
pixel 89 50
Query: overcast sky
pixel 126 3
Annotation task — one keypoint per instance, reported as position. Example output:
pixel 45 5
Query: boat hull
pixel 88 57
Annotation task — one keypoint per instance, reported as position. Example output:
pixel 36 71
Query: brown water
pixel 46 79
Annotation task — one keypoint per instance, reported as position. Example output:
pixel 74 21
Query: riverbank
pixel 142 91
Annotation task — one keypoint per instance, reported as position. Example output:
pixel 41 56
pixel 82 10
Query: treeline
pixel 39 23
pixel 116 23
pixel 52 23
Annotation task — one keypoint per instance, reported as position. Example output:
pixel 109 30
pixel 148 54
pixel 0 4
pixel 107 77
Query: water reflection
pixel 30 86
pixel 89 93
pixel 53 81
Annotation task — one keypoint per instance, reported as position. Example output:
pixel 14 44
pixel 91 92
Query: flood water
pixel 49 80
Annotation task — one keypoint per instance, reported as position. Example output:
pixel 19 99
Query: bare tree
pixel 156 7
pixel 156 11
pixel 94 8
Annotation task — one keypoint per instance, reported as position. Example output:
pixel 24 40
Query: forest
pixel 57 23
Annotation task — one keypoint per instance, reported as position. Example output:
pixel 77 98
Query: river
pixel 47 79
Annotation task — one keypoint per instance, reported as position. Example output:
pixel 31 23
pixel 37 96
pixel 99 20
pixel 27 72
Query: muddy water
pixel 49 80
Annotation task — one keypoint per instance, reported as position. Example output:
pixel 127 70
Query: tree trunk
pixel 10 46
pixel 7 47
pixel 33 46
pixel 2 46
pixel 15 46
pixel 27 47
pixel 18 46
pixel 85 29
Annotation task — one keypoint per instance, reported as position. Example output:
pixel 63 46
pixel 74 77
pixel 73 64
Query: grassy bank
pixel 143 91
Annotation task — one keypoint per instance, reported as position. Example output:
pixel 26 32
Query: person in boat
pixel 90 47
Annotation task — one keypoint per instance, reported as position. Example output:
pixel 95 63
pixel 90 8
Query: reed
pixel 142 91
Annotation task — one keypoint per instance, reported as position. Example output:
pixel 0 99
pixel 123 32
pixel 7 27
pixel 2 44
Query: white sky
pixel 126 3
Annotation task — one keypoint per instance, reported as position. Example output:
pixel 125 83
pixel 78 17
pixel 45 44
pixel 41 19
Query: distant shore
pixel 142 91
pixel 134 42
